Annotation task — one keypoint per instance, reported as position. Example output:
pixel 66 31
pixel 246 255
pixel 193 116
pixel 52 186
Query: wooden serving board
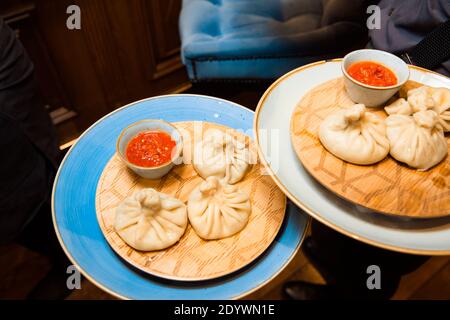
pixel 192 258
pixel 389 186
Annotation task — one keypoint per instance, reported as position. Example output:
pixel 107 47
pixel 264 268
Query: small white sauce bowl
pixel 373 96
pixel 150 125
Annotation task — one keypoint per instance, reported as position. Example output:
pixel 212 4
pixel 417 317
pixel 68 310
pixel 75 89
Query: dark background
pixel 125 51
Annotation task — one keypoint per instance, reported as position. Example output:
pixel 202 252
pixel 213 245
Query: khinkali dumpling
pixel 417 140
pixel 420 99
pixel 430 98
pixel 355 135
pixel 400 106
pixel 218 210
pixel 222 156
pixel 441 98
pixel 149 220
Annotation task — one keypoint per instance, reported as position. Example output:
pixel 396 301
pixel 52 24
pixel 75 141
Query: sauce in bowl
pixel 150 149
pixel 372 73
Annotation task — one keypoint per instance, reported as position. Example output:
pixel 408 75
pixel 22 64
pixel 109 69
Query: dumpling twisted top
pixel 355 135
pixel 222 156
pixel 417 140
pixel 422 99
pixel 149 220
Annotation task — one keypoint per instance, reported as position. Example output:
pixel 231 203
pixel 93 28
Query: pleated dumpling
pixel 150 220
pixel 417 140
pixel 222 156
pixel 355 135
pixel 218 210
pixel 420 99
pixel 441 98
pixel 399 106
pixel 430 98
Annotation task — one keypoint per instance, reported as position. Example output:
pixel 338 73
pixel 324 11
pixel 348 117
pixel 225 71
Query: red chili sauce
pixel 372 73
pixel 150 149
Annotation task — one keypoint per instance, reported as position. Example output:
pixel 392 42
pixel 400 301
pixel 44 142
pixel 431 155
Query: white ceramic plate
pixel 272 123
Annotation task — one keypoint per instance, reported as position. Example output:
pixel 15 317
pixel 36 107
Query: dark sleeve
pixel 18 95
pixel 28 146
pixel 404 23
pixel 26 179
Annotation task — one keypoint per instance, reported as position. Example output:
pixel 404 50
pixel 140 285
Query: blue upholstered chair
pixel 262 39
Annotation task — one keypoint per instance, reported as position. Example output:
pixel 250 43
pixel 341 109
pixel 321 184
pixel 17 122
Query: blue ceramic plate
pixel 76 225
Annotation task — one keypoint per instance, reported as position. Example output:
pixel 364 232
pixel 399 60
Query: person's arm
pixel 19 98
pixel 25 179
pixel 28 149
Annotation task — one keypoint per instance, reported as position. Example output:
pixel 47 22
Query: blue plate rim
pixel 86 274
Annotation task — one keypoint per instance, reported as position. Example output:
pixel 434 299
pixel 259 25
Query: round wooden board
pixel 388 187
pixel 192 258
